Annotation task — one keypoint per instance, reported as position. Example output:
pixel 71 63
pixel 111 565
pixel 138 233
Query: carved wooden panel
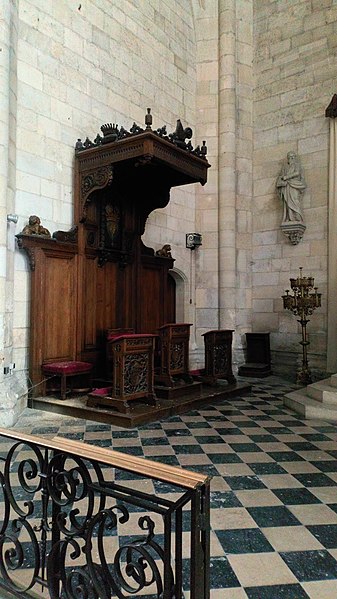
pixel 89 302
pixel 150 304
pixel 171 299
pixel 113 288
pixel 53 306
pixel 60 303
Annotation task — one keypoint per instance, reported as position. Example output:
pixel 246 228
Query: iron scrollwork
pixel 72 550
pixel 19 546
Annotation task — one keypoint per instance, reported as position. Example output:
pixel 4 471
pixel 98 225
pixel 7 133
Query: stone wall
pixel 80 65
pixel 295 78
pixel 12 386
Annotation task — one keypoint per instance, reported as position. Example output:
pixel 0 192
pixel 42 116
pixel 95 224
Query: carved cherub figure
pixel 34 227
pixel 165 251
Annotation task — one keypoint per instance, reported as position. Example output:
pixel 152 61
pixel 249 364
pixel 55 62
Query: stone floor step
pixel 333 380
pixel 308 407
pixel 322 391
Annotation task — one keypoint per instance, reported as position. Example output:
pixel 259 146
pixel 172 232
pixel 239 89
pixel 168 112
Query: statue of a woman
pixel 291 185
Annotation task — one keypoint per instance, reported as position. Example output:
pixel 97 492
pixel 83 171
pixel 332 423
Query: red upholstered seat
pixel 69 369
pixel 130 336
pixel 112 333
pixel 66 367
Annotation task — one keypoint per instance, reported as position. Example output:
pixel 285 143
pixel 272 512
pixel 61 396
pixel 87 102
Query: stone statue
pixel 34 227
pixel 290 186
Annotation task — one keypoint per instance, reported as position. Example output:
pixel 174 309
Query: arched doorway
pixel 176 285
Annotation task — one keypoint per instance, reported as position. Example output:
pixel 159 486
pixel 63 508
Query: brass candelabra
pixel 302 303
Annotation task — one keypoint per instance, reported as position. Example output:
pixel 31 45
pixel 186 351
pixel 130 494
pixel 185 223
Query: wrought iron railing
pixel 82 522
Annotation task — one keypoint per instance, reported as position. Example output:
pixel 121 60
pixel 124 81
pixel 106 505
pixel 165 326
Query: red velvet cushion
pixel 67 367
pixel 112 333
pixel 101 391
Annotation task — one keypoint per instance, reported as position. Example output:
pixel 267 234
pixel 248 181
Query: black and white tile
pixel 273 490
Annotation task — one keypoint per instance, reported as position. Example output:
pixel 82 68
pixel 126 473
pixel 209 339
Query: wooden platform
pixel 182 390
pixel 140 413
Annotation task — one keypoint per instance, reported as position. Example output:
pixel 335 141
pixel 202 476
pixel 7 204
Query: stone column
pixel 331 112
pixel 8 90
pixel 227 163
pixel 235 164
pixel 204 259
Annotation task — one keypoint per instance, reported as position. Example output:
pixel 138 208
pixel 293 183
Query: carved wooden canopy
pixel 136 157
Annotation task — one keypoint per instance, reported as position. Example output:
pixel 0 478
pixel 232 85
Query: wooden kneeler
pixel 132 377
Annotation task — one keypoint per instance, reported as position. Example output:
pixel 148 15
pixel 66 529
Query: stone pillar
pixel 227 163
pixel 224 36
pixel 9 389
pixel 204 259
pixel 331 112
pixel 235 164
pixel 244 166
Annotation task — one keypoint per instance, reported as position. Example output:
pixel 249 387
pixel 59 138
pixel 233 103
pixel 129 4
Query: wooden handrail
pixel 116 459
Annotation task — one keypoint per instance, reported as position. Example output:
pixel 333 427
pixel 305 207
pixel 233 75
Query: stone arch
pixel 181 282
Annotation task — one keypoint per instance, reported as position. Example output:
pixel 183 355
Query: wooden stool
pixel 65 370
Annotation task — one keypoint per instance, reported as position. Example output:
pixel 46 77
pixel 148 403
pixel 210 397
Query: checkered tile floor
pixel 274 487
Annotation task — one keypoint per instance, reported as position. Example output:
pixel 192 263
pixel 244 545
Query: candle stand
pixel 302 303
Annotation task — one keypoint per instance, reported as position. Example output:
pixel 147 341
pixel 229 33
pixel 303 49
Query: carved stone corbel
pixel 294 231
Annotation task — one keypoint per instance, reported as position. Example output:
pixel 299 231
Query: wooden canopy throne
pixel 99 275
